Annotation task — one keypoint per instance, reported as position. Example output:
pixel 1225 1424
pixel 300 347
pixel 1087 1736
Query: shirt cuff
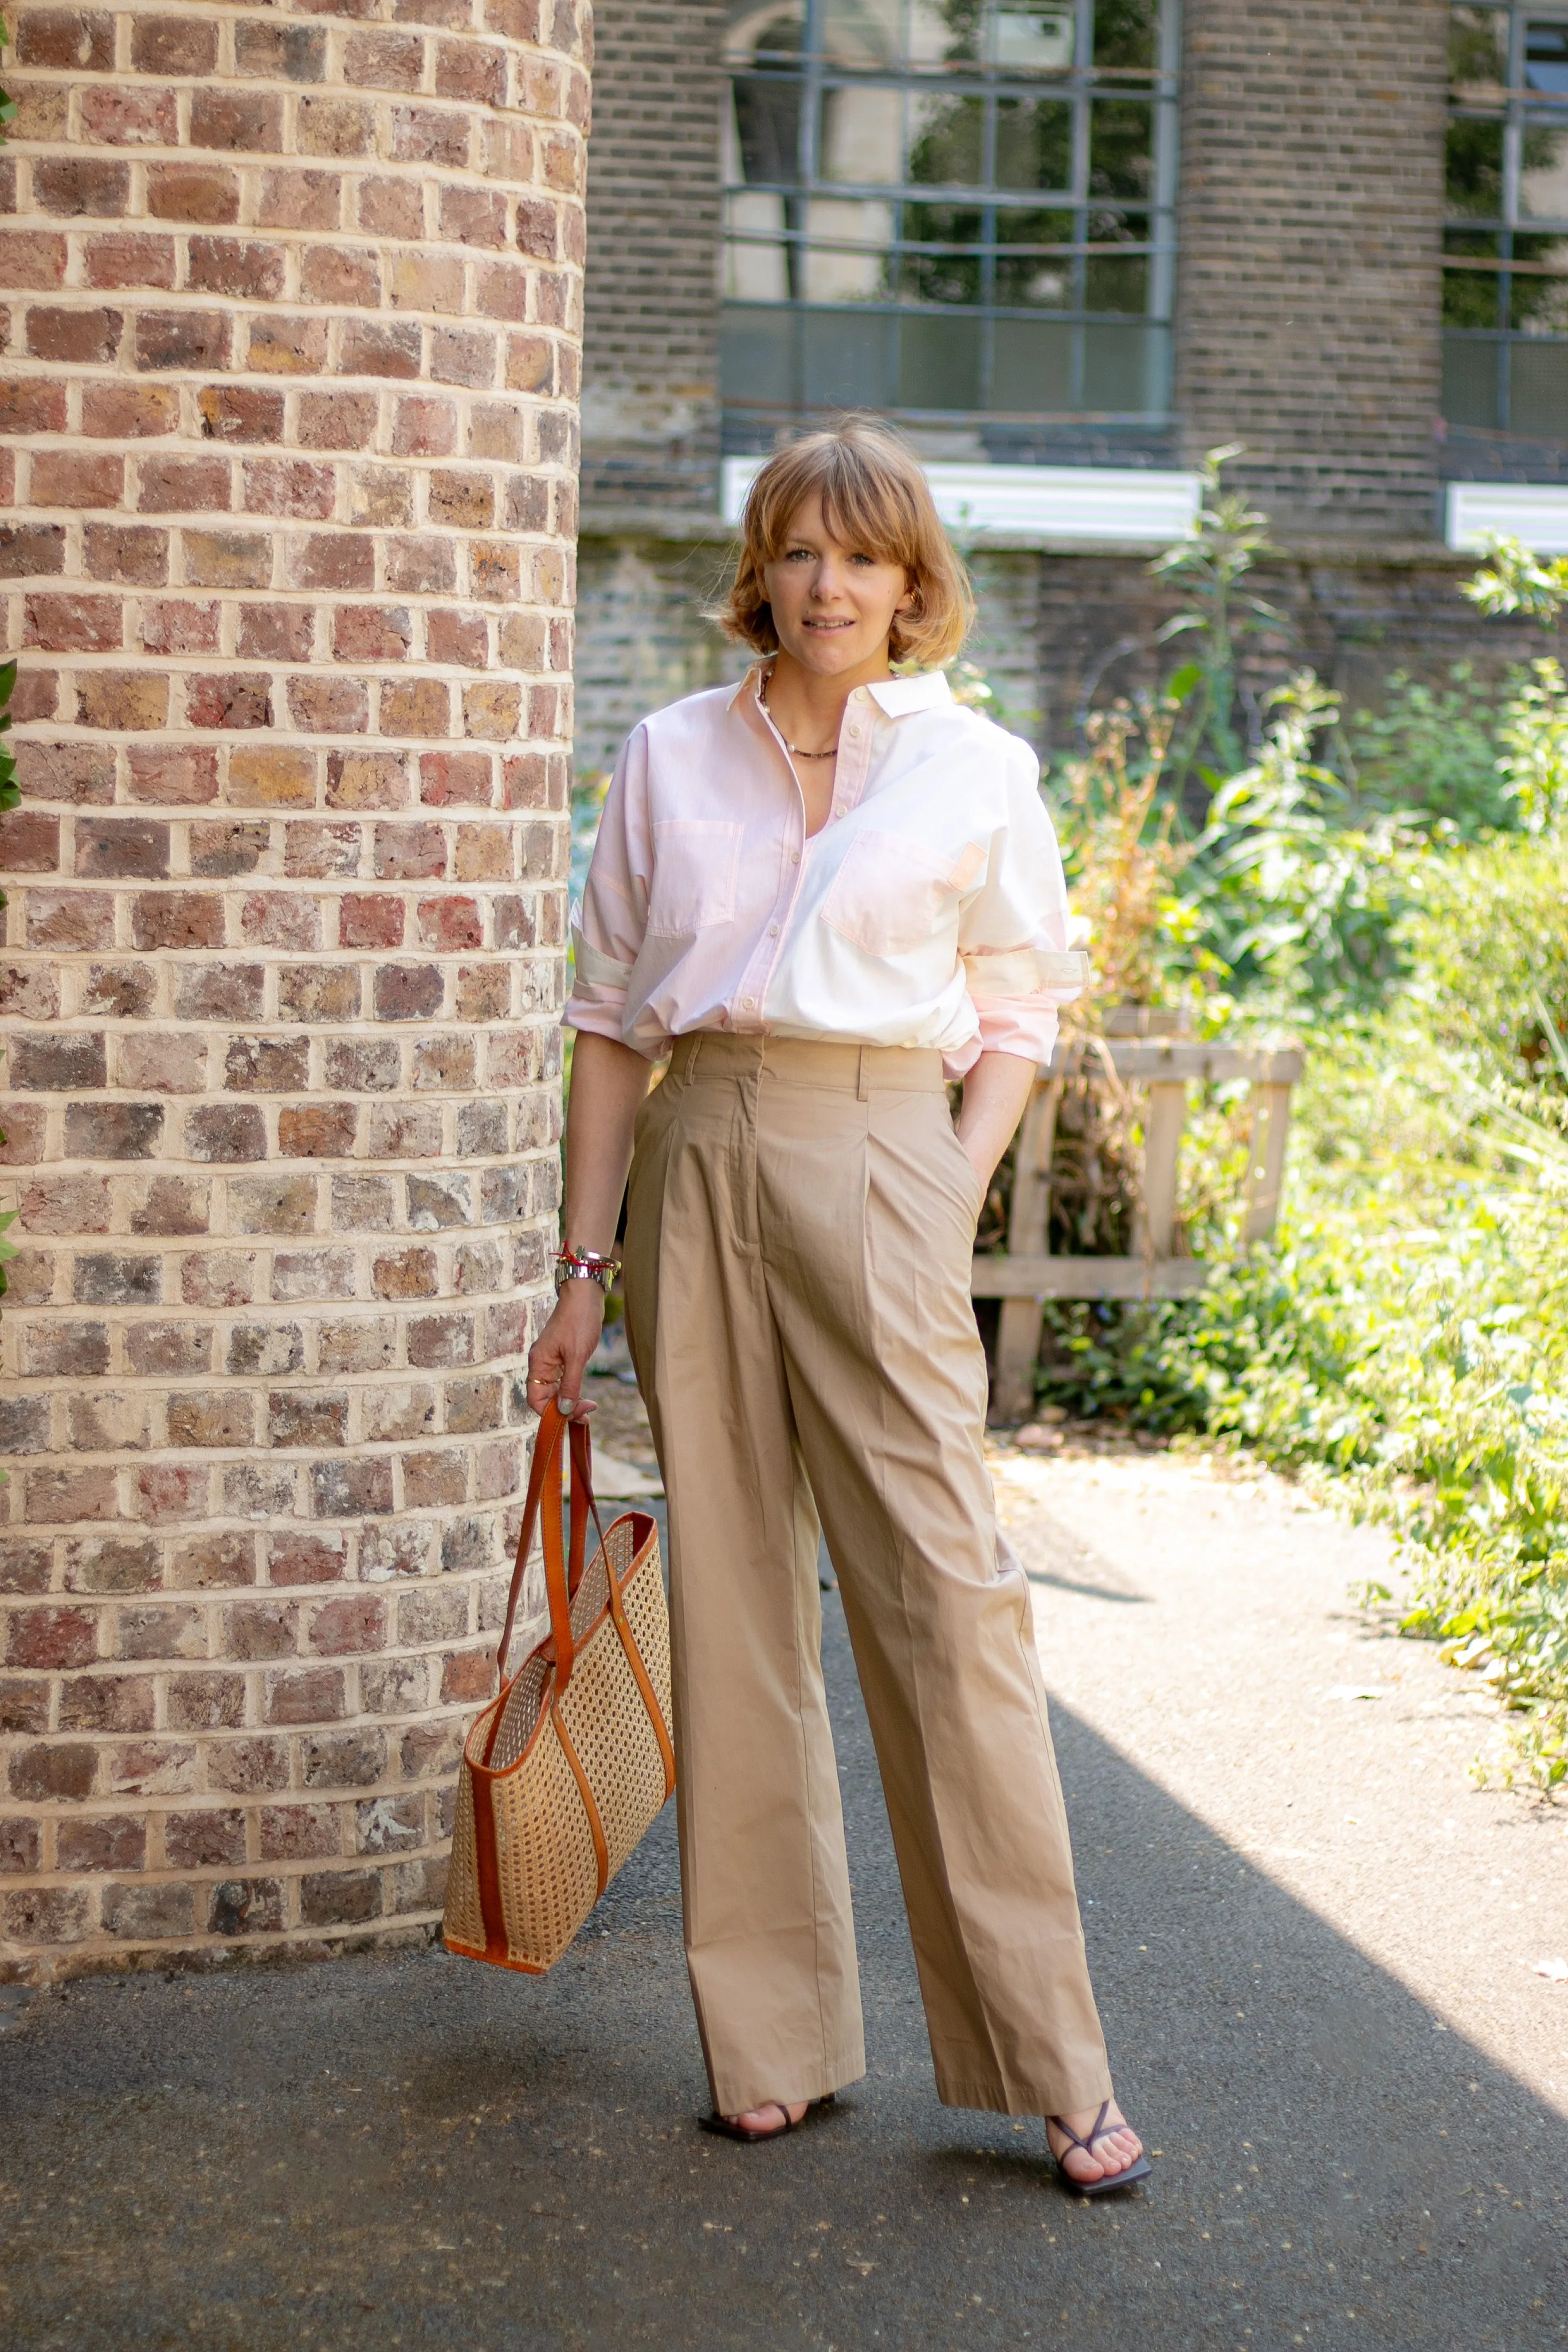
pixel 1026 1026
pixel 1060 975
pixel 596 1015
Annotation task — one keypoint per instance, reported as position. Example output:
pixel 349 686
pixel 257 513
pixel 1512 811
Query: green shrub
pixel 1485 932
pixel 1432 750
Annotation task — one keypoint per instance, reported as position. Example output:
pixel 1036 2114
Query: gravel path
pixel 1314 1943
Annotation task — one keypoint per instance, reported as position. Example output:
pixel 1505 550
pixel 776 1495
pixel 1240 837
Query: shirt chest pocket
pixel 696 863
pixel 891 892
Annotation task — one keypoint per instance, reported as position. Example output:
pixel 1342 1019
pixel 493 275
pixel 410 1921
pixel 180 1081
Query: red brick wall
pixel 287 419
pixel 1309 302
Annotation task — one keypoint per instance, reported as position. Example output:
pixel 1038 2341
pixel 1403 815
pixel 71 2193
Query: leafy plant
pixel 1431 752
pixel 1297 890
pixel 1122 858
pixel 1210 566
pixel 1515 580
pixel 1485 933
pixel 1534 738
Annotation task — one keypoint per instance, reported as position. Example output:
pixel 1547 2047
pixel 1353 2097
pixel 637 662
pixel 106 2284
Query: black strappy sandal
pixel 1137 2170
pixel 725 2129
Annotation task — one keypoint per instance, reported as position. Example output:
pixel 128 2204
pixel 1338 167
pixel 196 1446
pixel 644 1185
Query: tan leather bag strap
pixel 543 1487
pixel 563 1576
pixel 583 1478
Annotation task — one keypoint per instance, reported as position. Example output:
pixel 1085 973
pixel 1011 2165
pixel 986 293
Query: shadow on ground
pixel 412 2150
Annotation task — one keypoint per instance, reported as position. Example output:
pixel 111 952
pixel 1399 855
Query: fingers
pixel 558 1361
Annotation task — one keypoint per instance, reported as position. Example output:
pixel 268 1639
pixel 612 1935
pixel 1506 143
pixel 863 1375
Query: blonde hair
pixel 874 495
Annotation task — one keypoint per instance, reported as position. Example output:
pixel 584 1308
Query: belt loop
pixel 863 1087
pixel 694 1055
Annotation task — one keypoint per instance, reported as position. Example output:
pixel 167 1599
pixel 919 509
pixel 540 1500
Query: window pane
pixel 941 276
pixel 863 136
pixel 1122 154
pixel 1030 38
pixel 1126 33
pixel 1114 283
pixel 1035 280
pixel 1546 57
pixel 757 31
pixel 862 32
pixel 1124 369
pixel 1475 169
pixel 1033 143
pixel 846 359
pixel 756 353
pixel 937 367
pixel 1543 172
pixel 756 272
pixel 847 260
pixel 1471 297
pixel 1032 370
pixel 947 141
pixel 1540 303
pixel 1538 396
pixel 1470 382
pixel 767 123
pixel 945 32
pixel 1478 54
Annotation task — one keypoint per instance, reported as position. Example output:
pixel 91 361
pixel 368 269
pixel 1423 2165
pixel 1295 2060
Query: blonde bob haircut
pixel 874 499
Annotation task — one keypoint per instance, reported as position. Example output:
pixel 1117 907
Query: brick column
pixel 289 403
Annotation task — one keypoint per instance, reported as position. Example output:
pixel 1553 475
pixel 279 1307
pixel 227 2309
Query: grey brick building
pixel 1071 247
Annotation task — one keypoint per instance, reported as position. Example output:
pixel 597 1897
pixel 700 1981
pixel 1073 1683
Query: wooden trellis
pixel 1024 1275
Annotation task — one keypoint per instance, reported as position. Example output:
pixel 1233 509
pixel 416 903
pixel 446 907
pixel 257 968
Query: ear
pixel 909 601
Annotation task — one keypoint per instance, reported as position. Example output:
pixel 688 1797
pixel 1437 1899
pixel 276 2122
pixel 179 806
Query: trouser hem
pixel 1061 2098
pixel 739 2096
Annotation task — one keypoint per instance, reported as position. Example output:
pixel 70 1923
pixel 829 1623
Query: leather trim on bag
pixel 601 1851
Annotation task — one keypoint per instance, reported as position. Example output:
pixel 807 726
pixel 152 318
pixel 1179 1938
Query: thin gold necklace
pixel 793 749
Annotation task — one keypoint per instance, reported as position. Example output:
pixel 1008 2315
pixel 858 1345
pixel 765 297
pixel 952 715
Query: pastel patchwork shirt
pixel 930 910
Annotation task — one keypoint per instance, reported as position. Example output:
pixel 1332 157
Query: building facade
pixel 1105 236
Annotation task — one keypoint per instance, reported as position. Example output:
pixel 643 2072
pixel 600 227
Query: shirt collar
pixel 896 697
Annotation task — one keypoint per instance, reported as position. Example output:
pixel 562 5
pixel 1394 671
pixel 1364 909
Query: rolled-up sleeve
pixel 1012 930
pixel 609 927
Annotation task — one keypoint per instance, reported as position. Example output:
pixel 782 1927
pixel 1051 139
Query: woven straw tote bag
pixel 566 1768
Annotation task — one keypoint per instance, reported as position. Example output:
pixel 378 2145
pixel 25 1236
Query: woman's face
pixel 832 603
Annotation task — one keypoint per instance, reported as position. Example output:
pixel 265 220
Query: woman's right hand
pixel 558 1360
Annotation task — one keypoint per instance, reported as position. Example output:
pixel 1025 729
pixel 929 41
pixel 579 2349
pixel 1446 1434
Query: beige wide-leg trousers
pixel 800 1228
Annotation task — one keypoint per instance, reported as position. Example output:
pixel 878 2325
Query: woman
pixel 825 888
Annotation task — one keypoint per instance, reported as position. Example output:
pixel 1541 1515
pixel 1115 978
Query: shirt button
pixel 855 729
pixel 773 930
pixel 749 1003
pixel 795 858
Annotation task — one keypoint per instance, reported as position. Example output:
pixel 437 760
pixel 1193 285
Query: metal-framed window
pixel 949 207
pixel 1505 258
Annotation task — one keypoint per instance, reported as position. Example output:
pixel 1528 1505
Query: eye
pixel 799 555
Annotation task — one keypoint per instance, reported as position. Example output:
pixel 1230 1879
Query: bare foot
pixel 1117 2147
pixel 767 2121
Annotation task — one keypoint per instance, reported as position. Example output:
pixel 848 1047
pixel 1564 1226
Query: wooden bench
pixel 1023 1276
